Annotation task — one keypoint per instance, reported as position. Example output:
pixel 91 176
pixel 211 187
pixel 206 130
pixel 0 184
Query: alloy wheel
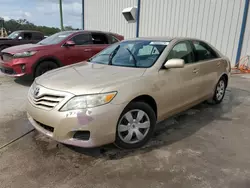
pixel 220 89
pixel 133 127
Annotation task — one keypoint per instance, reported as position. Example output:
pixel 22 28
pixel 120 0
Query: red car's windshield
pixel 56 38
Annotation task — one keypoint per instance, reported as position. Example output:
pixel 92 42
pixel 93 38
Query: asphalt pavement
pixel 206 146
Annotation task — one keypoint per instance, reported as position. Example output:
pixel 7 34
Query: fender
pixel 222 74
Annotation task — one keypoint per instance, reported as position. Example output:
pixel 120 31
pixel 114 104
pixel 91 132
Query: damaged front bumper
pixel 99 123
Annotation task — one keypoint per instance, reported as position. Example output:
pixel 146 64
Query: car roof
pixel 165 38
pixel 82 31
pixel 153 38
pixel 29 31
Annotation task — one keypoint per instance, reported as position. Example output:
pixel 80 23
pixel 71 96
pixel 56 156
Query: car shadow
pixel 175 128
pixel 24 81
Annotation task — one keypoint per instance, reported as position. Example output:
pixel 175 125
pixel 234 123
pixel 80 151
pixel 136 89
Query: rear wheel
pixel 44 67
pixel 135 126
pixel 219 92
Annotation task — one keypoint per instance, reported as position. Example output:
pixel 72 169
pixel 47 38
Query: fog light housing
pixel 23 67
pixel 82 135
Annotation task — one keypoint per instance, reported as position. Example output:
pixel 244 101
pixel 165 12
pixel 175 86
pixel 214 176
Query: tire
pixel 44 67
pixel 130 125
pixel 219 91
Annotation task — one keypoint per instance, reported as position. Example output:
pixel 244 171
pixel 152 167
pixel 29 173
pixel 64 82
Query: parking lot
pixel 207 146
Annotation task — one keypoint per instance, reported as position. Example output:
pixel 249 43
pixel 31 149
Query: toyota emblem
pixel 36 91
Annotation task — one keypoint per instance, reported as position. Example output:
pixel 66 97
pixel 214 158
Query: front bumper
pixel 61 126
pixel 13 67
pixel 9 71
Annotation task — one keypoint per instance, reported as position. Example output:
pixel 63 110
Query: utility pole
pixel 61 14
pixel 83 14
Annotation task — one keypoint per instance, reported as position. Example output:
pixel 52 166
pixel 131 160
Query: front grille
pixel 47 101
pixel 6 57
pixel 46 127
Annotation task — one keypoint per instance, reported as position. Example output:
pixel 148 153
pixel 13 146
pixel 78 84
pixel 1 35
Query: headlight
pixel 88 101
pixel 24 54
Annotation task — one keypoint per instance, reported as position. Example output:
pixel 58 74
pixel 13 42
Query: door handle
pixel 195 70
pixel 87 50
pixel 218 64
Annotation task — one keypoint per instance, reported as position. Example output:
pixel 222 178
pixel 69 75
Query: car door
pixel 182 83
pixel 81 51
pixel 100 41
pixel 210 63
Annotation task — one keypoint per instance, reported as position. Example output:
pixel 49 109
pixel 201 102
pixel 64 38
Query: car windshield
pixel 56 38
pixel 13 35
pixel 136 53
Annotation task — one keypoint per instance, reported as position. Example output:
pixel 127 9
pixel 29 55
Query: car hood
pixel 25 47
pixel 86 78
pixel 4 38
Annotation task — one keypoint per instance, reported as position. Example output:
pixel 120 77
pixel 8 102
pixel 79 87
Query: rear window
pixel 114 39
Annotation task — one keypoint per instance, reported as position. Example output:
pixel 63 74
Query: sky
pixel 43 12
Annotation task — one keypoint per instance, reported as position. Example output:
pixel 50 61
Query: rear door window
pixel 99 38
pixel 203 52
pixel 27 36
pixel 37 36
pixel 82 39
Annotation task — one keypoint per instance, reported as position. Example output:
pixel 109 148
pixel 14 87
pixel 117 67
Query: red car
pixel 63 48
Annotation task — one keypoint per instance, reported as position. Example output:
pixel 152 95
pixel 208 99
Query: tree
pixel 23 24
pixel 68 28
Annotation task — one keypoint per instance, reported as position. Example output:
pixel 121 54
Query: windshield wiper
pixel 132 56
pixel 112 55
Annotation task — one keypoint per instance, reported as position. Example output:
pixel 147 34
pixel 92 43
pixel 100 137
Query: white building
pixel 223 23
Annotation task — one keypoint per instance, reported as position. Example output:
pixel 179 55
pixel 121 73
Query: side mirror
pixel 70 43
pixel 20 38
pixel 174 63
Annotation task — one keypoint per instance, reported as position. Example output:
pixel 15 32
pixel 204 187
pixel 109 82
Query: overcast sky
pixel 42 12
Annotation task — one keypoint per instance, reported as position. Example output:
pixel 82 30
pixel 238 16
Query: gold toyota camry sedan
pixel 119 95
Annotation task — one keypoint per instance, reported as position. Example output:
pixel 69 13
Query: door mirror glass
pixel 70 43
pixel 174 63
pixel 20 38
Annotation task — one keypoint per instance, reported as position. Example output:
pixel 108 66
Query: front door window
pixel 182 50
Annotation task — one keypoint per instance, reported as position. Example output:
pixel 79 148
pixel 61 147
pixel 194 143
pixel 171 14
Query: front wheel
pixel 135 126
pixel 44 67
